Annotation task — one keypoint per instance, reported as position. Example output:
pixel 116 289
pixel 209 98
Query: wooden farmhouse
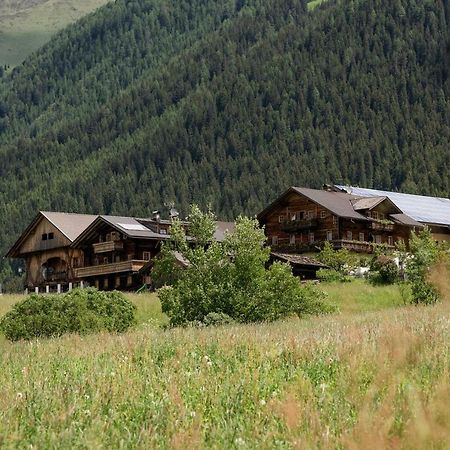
pixel 302 219
pixel 109 252
pixel 45 246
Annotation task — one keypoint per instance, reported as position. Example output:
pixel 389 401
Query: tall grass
pixel 375 379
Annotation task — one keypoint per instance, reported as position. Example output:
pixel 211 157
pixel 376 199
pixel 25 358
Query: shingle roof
pixel 70 224
pixel 367 203
pixel 338 203
pixel 295 258
pixel 405 220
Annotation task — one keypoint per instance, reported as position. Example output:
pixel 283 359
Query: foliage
pixel 230 278
pixel 329 275
pixel 425 254
pixel 9 281
pixel 79 311
pixel 147 100
pixel 384 270
pixel 338 260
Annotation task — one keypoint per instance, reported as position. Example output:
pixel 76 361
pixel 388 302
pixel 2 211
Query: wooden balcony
pixel 382 226
pixel 133 265
pixel 109 246
pixel 301 247
pixel 291 226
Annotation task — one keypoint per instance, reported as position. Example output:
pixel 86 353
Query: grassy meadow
pixel 375 375
pixel 26 25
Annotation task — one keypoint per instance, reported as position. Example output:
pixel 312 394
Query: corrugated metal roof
pixel 431 210
pixel 339 203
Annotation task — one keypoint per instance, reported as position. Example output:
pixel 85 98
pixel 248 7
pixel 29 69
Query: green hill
pixel 25 25
pixel 226 102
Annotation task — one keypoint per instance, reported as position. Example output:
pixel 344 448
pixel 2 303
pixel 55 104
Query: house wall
pixel 326 226
pixel 36 243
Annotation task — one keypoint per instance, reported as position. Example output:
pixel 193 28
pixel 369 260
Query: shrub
pixel 384 270
pixel 426 252
pixel 229 278
pixel 329 275
pixel 79 311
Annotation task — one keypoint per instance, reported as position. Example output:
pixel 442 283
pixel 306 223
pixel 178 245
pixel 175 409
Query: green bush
pixel 329 275
pixel 79 311
pixel 229 279
pixel 384 270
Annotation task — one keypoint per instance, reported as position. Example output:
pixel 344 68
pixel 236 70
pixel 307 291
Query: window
pixel 374 215
pixel 76 262
pixel 129 280
pixel 335 220
pixel 390 240
pixel 361 237
pixel 292 239
pixel 349 235
pixel 51 236
pixel 117 258
pixel 274 240
pixel 381 216
pixel 105 283
pixel 293 216
pixel 146 256
pixel 105 260
pixel 281 219
pixel 130 256
pixel 44 237
pixel 302 215
pixel 163 231
pixel 377 239
pixel 323 214
pixel 329 235
pixel 108 237
pixel 115 236
pixel 311 237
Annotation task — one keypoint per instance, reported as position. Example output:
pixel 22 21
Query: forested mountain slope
pixel 228 102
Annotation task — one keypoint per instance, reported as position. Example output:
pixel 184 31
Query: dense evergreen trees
pixel 227 102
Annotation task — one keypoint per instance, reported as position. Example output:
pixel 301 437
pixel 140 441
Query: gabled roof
pixel 430 210
pixel 339 203
pixel 129 226
pixel 71 225
pixel 404 219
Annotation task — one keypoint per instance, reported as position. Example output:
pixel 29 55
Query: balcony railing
pixel 133 265
pixel 109 246
pixel 301 247
pixel 382 226
pixel 291 226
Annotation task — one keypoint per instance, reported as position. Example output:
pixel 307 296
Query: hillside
pixel 226 102
pixel 26 25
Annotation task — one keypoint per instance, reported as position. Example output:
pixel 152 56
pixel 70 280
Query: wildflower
pixel 239 441
pixel 19 396
pixel 192 414
pixel 262 402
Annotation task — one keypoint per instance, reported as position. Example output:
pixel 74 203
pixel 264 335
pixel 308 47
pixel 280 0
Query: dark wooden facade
pixel 297 223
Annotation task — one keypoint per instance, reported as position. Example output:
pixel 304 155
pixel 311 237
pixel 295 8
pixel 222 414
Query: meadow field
pixel 26 25
pixel 375 375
